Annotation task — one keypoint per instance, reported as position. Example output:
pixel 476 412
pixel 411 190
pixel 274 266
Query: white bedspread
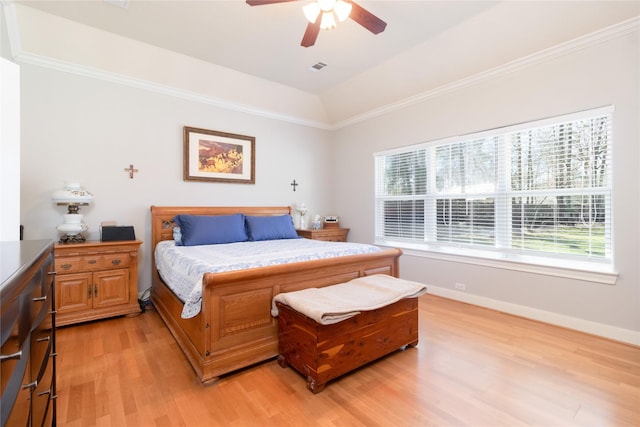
pixel 333 304
pixel 182 267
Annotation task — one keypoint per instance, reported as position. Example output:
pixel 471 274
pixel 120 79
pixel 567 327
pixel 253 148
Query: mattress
pixel 183 267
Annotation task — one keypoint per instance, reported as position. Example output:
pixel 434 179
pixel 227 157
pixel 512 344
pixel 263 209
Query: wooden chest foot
pixel 411 344
pixel 210 381
pixel 282 361
pixel 313 386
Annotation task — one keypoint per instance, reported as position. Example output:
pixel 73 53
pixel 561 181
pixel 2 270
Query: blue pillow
pixel 210 230
pixel 270 227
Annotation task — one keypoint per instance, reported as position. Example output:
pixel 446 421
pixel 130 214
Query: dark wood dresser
pixel 27 326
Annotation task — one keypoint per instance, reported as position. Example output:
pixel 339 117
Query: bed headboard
pixel 162 217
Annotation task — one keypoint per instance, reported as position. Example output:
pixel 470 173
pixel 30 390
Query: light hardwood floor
pixel 472 367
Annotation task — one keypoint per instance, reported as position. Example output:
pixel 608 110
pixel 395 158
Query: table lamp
pixel 73 196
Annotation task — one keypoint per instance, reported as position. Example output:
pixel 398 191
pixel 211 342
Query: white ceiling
pixel 264 41
pixel 427 44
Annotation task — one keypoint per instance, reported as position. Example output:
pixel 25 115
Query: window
pixel 538 191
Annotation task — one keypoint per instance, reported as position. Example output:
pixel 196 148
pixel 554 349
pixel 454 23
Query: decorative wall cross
pixel 294 184
pixel 131 171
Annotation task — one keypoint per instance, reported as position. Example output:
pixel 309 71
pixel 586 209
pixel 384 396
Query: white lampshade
pixel 311 11
pixel 329 9
pixel 328 21
pixel 342 10
pixel 326 5
pixel 72 193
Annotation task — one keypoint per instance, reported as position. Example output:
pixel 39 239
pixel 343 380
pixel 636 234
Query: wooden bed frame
pixel 234 328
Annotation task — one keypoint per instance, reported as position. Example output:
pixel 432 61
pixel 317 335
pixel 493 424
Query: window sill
pixel 588 272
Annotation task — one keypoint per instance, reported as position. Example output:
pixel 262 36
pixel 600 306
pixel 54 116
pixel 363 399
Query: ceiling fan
pixel 322 13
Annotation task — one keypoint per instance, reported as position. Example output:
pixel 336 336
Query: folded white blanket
pixel 333 304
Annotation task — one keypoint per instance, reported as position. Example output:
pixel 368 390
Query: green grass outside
pixel 565 240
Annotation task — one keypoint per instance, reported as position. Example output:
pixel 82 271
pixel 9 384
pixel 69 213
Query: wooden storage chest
pixel 324 352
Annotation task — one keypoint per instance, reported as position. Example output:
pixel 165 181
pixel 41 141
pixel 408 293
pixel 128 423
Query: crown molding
pixel 20 56
pixel 81 70
pixel 606 34
pixel 600 36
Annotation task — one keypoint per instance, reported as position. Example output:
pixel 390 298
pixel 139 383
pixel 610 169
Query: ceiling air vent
pixel 318 66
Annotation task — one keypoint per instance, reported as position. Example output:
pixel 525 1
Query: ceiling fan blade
pixel 263 2
pixel 311 34
pixel 367 19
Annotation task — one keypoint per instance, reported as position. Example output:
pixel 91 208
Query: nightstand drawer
pixel 116 261
pixel 92 263
pixel 68 265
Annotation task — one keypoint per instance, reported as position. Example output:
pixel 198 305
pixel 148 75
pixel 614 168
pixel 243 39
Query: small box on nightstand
pixel 331 221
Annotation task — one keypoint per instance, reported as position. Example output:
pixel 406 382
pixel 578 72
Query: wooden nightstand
pixel 95 280
pixel 326 234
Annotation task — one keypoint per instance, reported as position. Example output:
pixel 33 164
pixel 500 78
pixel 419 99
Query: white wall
pixel 89 130
pixel 9 150
pixel 9 141
pixel 600 74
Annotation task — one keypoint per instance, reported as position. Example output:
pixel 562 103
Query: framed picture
pixel 210 155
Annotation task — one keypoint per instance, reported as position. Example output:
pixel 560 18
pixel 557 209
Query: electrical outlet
pixel 461 286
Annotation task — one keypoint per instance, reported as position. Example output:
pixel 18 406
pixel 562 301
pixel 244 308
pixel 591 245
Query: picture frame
pixel 215 156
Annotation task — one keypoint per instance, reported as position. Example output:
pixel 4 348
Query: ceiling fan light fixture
pixel 330 10
pixel 326 5
pixel 328 21
pixel 311 11
pixel 342 10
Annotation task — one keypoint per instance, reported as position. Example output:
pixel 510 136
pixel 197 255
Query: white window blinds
pixel 541 188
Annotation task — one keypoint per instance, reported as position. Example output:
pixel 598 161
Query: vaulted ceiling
pixel 426 44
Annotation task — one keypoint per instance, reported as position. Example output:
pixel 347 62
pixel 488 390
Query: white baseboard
pixel 611 332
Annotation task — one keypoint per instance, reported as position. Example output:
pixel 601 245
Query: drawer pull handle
pixel 51 273
pixel 89 291
pixel 66 266
pixel 116 262
pixel 92 261
pixel 16 355
pixel 43 339
pixel 40 299
pixel 42 393
pixel 95 291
